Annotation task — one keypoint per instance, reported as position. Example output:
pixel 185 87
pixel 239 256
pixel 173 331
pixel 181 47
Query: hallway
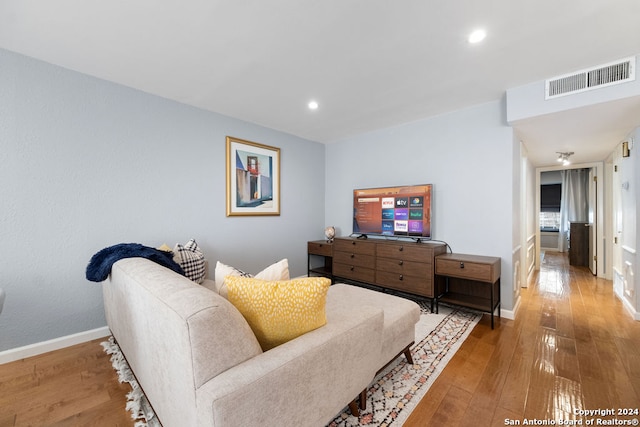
pixel 572 347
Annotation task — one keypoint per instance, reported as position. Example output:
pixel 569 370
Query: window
pixel 549 221
pixel 550 196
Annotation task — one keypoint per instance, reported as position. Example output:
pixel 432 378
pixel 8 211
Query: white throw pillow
pixel 274 272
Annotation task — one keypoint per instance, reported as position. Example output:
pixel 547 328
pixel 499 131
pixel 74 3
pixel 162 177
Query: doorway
pixel 595 215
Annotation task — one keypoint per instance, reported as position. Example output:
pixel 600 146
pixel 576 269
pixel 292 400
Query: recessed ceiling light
pixel 313 105
pixel 477 36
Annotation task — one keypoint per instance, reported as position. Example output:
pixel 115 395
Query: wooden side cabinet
pixel 320 258
pixel 403 266
pixel 470 280
pixel 579 244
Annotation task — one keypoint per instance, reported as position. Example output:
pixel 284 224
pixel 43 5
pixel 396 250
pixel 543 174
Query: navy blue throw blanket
pixel 100 265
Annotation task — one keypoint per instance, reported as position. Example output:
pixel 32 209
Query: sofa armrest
pixel 304 382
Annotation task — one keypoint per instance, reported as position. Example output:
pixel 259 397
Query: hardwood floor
pixel 74 386
pixel 572 347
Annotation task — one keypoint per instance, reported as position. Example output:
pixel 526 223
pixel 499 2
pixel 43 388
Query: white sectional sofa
pixel 199 363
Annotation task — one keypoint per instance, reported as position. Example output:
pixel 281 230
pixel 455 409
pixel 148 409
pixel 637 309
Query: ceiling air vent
pixel 593 78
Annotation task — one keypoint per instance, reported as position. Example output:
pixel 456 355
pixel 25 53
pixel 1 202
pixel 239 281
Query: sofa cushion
pixel 191 259
pixel 276 271
pixel 279 311
pixel 400 315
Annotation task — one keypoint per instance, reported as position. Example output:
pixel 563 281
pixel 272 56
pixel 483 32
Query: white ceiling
pixel 370 64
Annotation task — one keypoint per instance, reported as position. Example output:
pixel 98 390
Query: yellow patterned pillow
pixel 279 311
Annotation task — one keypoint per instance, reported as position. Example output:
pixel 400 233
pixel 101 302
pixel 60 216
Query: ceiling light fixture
pixel 477 36
pixel 564 157
pixel 313 105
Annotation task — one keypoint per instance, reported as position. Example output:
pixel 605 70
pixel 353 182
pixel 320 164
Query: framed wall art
pixel 253 178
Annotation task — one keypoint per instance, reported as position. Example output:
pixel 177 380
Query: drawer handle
pixel 462 265
pixel 401 277
pixel 353 243
pixel 351 268
pixel 401 262
pixel 353 256
pixel 401 248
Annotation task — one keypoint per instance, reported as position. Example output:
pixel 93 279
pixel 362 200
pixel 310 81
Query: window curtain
pixel 574 205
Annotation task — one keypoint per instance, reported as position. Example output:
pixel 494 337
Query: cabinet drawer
pixel 355 246
pixel 352 258
pixel 416 285
pixel 408 252
pixel 354 272
pixel 320 248
pixel 466 269
pixel 410 268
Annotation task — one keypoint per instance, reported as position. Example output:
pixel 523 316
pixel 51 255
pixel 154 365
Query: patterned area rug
pixel 393 394
pixel 396 390
pixel 137 402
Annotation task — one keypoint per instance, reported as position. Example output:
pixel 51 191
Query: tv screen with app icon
pixel 393 211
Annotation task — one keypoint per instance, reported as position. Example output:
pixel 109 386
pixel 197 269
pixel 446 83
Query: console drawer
pixel 355 246
pixel 352 258
pixel 319 248
pixel 483 269
pixel 354 272
pixel 410 268
pixel 416 285
pixel 407 252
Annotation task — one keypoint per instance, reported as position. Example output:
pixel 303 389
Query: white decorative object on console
pixel 330 233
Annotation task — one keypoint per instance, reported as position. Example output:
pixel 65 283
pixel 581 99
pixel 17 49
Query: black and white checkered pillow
pixel 191 259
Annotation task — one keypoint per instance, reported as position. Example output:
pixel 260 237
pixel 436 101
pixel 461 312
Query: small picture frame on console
pixel 253 178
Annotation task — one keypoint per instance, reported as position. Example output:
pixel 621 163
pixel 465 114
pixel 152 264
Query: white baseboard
pixel 51 345
pixel 511 314
pixel 627 305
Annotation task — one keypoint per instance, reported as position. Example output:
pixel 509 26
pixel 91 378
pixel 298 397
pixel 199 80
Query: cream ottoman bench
pixel 400 318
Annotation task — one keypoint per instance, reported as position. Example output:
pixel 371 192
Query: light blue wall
pixel 85 164
pixel 635 188
pixel 467 155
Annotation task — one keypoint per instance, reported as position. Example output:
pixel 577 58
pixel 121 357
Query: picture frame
pixel 625 149
pixel 253 178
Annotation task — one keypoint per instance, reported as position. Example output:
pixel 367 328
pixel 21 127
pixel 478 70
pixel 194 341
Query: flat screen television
pixel 403 211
